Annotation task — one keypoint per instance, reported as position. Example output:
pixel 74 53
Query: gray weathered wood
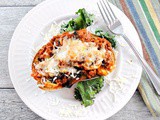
pixel 11 107
pixel 19 2
pixel 9 19
pixel 134 110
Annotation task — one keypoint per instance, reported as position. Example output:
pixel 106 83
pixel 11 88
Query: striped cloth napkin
pixel 145 16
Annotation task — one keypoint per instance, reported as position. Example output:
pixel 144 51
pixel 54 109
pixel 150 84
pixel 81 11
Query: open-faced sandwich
pixel 72 56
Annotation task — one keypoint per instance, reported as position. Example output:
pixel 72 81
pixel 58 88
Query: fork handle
pixel 151 74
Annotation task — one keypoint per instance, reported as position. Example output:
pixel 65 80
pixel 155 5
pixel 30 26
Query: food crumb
pixel 42 33
pixel 43 92
pixel 122 44
pixel 28 79
pixel 36 94
pixel 130 61
pixel 73 111
pixel 54 101
pixel 132 76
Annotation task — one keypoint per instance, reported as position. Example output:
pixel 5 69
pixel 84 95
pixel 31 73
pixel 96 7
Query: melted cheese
pixel 72 50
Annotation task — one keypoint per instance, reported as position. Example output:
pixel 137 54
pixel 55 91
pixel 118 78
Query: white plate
pixel 53 105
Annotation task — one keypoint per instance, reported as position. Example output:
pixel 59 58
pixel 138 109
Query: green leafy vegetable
pixel 85 91
pixel 107 36
pixel 82 21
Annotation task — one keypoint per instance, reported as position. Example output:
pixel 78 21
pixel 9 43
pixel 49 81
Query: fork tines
pixel 106 11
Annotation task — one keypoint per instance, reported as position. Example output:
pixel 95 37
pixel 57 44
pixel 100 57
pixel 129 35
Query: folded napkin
pixel 144 14
pixel 149 95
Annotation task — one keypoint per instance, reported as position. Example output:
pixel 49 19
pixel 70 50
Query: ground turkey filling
pixel 72 57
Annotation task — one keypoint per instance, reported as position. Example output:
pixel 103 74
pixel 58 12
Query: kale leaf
pixel 82 21
pixel 85 91
pixel 107 36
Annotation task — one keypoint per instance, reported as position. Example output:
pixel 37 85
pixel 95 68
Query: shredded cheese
pixel 130 61
pixel 115 85
pixel 28 79
pixel 73 111
pixel 53 101
pixel 72 50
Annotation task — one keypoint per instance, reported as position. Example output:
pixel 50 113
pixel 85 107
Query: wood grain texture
pixel 13 3
pixel 134 110
pixel 9 19
pixel 11 106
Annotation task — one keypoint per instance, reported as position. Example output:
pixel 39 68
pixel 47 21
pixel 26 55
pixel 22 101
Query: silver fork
pixel 115 27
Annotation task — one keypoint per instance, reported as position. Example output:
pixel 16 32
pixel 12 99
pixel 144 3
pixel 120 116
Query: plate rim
pixel 34 109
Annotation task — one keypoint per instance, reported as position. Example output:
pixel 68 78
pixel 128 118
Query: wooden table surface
pixel 11 106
